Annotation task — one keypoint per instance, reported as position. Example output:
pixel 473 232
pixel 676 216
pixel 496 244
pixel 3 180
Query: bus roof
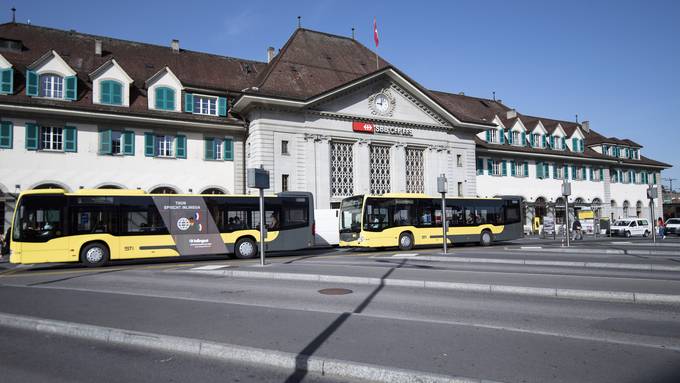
pixel 137 192
pixel 420 195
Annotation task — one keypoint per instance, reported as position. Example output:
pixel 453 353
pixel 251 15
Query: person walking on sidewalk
pixel 662 228
pixel 576 228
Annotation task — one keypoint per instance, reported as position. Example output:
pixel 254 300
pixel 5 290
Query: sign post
pixel 259 179
pixel 441 188
pixel 566 192
pixel 652 193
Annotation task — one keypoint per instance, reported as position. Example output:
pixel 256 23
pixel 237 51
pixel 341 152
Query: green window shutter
pixel 524 139
pixel 181 146
pixel 6 134
pixel 504 169
pixel 526 168
pixel 489 166
pixel 552 141
pixel 501 136
pixel 149 144
pixel 583 145
pixel 31 136
pixel 169 99
pixel 71 85
pixel 480 165
pixel 70 139
pixel 488 136
pixel 591 174
pixel 545 140
pixel 105 146
pixel 574 144
pixel 160 98
pixel 189 102
pixel 512 168
pixel 7 81
pixel 228 146
pixel 209 144
pixel 128 143
pixel 539 170
pixel 532 140
pixel 510 139
pixel 105 96
pixel 116 93
pixel 222 106
pixel 564 143
pixel 31 83
pixel 601 174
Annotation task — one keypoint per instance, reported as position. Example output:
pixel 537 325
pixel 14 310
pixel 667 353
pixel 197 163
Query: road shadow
pixel 302 358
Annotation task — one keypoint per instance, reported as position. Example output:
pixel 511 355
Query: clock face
pixel 382 103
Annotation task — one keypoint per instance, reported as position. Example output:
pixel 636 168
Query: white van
pixel 631 226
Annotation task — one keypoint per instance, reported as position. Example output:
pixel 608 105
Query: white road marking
pixel 622 243
pixel 405 255
pixel 210 267
pixel 531 247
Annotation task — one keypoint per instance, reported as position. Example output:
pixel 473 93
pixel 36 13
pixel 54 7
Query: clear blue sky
pixel 614 63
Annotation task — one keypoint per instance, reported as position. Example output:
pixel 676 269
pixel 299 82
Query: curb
pixel 232 353
pixel 531 262
pixel 593 251
pixel 598 295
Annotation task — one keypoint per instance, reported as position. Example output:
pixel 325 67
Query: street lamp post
pixel 652 193
pixel 441 188
pixel 566 192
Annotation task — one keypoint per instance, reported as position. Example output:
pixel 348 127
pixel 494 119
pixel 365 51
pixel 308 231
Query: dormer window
pixel 51 86
pixel 536 140
pixel 111 92
pixel 165 98
pixel 205 105
pixel 516 138
pixel 492 135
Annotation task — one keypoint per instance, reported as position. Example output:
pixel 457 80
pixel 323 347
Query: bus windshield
pixel 350 214
pixel 39 218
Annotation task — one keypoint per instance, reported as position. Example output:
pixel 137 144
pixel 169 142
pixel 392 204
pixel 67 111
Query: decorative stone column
pixel 398 165
pixel 607 203
pixel 323 174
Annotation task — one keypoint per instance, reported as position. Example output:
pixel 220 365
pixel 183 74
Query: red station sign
pixel 363 127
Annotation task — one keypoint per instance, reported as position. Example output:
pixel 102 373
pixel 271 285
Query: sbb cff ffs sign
pixel 363 127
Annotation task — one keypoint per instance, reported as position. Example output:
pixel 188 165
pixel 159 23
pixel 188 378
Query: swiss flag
pixel 375 32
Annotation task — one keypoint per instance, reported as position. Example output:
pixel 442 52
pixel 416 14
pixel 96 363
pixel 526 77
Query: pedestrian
pixel 662 228
pixel 4 244
pixel 576 227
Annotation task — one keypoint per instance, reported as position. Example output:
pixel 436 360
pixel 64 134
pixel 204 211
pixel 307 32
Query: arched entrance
pixel 213 191
pixel 163 190
pixel 49 186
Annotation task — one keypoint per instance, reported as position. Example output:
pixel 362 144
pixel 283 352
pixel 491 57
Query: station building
pixel 322 115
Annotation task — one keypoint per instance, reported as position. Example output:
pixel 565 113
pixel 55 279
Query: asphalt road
pixel 509 338
pixel 27 356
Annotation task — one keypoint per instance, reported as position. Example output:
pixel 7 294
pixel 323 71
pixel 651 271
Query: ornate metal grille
pixel 380 169
pixel 414 171
pixel 342 171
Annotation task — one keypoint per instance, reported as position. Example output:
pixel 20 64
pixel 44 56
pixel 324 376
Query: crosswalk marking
pixel 210 267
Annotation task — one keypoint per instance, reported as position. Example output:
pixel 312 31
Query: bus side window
pixel 424 212
pixel 140 216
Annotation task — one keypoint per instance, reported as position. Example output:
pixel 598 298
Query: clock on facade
pixel 382 103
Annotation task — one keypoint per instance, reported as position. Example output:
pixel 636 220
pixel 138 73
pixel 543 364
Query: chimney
pixel 511 114
pixel 585 125
pixel 175 45
pixel 270 54
pixel 98 47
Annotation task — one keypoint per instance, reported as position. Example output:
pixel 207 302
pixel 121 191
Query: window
pixel 559 172
pixel 342 169
pixel 496 169
pixel 536 141
pixel 140 216
pixel 379 165
pixel 460 189
pixel 284 147
pixel 284 182
pixel 92 219
pixel 515 138
pixel 51 138
pixel 51 86
pixel 492 135
pixel 164 146
pixel 415 179
pixel 459 160
pixel 39 218
pixel 520 169
pixel 165 98
pixel 116 142
pixel 219 148
pixel 111 92
pixel 205 105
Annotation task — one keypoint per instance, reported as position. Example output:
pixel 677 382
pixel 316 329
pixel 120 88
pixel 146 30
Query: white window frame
pixel 53 89
pixel 218 148
pixel 284 147
pixel 496 168
pixel 559 171
pixel 538 141
pixel 459 160
pixel 516 138
pixel 165 146
pixel 494 135
pixel 519 169
pixel 205 105
pixel 52 138
pixel 117 142
pixel 596 175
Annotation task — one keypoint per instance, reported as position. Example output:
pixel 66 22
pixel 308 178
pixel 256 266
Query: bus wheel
pixel 405 241
pixel 94 254
pixel 245 248
pixel 485 239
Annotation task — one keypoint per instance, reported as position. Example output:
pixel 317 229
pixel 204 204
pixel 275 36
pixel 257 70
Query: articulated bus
pixel 408 220
pixel 95 226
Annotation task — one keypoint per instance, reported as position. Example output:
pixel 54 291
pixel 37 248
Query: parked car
pixel 629 227
pixel 673 226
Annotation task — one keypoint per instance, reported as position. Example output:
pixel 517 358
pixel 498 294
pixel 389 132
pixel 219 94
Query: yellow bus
pixel 95 226
pixel 408 220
